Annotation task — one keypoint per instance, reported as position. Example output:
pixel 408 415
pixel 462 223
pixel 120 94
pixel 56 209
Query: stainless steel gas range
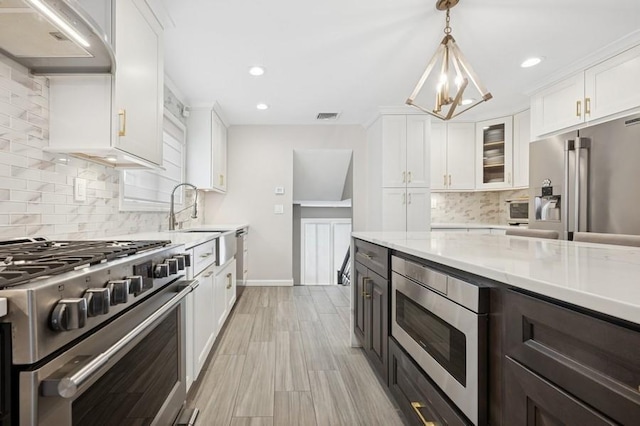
pixel 94 333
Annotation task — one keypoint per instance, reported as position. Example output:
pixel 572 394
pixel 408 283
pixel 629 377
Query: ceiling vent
pixel 327 116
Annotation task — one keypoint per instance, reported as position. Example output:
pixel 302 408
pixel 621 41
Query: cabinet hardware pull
pixel 208 274
pixel 221 179
pixel 366 255
pixel 444 180
pixel 122 118
pixel 587 106
pixel 449 180
pixel 409 197
pixel 229 279
pixel 367 296
pixel 416 407
pixel 404 198
pixel 203 255
pixel 509 178
pixel 409 177
pixel 404 177
pixel 578 108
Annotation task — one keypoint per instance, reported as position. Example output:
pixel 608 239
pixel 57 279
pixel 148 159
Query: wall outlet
pixel 434 203
pixel 279 190
pixel 278 209
pixel 79 189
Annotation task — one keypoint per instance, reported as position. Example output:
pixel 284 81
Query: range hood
pixel 57 36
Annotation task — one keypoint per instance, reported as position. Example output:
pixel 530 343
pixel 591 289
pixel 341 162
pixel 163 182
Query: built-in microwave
pixel 518 211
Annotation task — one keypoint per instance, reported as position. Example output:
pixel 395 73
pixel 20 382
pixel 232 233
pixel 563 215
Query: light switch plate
pixel 79 189
pixel 279 190
pixel 278 209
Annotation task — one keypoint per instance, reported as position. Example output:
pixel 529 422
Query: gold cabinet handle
pixel 449 180
pixel 409 198
pixel 404 177
pixel 416 407
pixel 203 255
pixel 229 280
pixel 578 108
pixel 587 106
pixel 208 274
pixel 221 179
pixel 409 177
pixel 365 281
pixel 122 118
pixel 444 180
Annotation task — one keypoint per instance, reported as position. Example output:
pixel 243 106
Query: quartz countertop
pixel 189 239
pixel 218 227
pixel 460 225
pixel 599 277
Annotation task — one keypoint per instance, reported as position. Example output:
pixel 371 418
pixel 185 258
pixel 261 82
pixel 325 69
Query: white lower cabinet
pixel 224 293
pixel 204 327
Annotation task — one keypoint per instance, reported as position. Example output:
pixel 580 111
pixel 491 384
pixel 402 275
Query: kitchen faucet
pixel 172 212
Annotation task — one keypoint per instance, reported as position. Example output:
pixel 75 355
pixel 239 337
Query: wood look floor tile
pixel 248 302
pixel 301 290
pixel 286 316
pixel 268 297
pixel 294 409
pixel 255 396
pixel 322 303
pixel 236 335
pixel 337 334
pixel 371 401
pixel 336 294
pixel 264 325
pixel 331 400
pixel 252 421
pixel 216 394
pixel 305 308
pixel 317 349
pixel 346 291
pixel 291 370
pixel 284 293
pixel 345 315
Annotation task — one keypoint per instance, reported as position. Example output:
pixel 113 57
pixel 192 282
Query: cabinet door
pixel 139 81
pixel 358 300
pixel 230 288
pixel 532 401
pixel 418 209
pixel 377 322
pixel 204 321
pixel 199 149
pixel 494 154
pixel 558 107
pixel 461 160
pixel 220 298
pixel 418 151
pixel 394 209
pixel 439 155
pixel 521 140
pixel 394 151
pixel 608 85
pixel 218 153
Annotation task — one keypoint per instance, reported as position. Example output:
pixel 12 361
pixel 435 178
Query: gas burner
pixel 24 260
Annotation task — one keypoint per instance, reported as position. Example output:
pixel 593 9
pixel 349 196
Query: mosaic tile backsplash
pixel 36 187
pixel 472 207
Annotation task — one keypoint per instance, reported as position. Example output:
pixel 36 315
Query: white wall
pixel 261 158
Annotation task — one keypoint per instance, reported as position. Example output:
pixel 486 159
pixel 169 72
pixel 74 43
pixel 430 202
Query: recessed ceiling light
pixel 262 107
pixel 467 101
pixel 256 71
pixel 530 62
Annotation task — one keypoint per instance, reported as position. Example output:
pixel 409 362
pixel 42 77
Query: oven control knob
pixel 187 259
pixel 98 300
pixel 181 262
pixel 119 291
pixel 173 266
pixel 161 270
pixel 69 314
pixel 136 284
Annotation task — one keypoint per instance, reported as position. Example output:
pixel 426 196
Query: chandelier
pixel 454 78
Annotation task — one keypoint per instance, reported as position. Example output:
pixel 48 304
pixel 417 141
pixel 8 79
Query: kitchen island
pixel 557 336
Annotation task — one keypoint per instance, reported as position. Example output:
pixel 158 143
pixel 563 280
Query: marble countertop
pixel 189 239
pixel 459 225
pixel 217 227
pixel 603 278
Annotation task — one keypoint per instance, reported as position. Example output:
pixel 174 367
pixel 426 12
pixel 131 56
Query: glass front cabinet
pixel 494 153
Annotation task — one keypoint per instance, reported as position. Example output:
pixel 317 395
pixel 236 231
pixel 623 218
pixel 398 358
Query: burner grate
pixel 22 261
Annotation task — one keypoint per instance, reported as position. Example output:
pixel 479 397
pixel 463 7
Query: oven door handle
pixel 67 386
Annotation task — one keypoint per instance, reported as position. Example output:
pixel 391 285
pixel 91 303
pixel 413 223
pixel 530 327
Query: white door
pixel 461 160
pixel 324 243
pixel 418 209
pixel 394 150
pixel 559 106
pixel 418 151
pixel 394 209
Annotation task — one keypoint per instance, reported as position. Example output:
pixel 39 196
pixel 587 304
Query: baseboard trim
pixel 269 283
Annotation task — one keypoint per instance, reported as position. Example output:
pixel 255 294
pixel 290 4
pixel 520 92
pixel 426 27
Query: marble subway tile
pixel 13 231
pixel 10 183
pixel 4 194
pixel 25 219
pixel 5 145
pixel 13 111
pixel 40 230
pixel 5 120
pixel 33 185
pixel 26 196
pixel 13 159
pixel 25 173
pixel 52 198
pixel 4 219
pixel 12 207
pixel 40 208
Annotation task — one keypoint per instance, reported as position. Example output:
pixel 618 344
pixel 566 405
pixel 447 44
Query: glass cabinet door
pixel 494 153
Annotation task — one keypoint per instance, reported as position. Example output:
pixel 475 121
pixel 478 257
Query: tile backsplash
pixel 472 207
pixel 36 187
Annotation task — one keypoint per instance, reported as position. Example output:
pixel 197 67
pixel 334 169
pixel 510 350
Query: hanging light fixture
pixel 454 69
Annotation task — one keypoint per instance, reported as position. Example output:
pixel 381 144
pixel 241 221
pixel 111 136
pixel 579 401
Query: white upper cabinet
pixel 405 151
pixel 494 154
pixel 612 86
pixel 452 156
pixel 206 150
pixel 602 90
pixel 521 140
pixel 115 119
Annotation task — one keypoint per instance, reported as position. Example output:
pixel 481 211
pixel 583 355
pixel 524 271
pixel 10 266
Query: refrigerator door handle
pixel 582 155
pixel 565 204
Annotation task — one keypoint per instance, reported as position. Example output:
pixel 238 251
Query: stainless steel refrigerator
pixel 587 180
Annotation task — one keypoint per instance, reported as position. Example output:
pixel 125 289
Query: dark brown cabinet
pixel 419 399
pixel 371 303
pixel 554 351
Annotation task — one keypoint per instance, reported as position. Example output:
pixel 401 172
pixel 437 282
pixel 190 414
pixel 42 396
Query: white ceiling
pixel 352 56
